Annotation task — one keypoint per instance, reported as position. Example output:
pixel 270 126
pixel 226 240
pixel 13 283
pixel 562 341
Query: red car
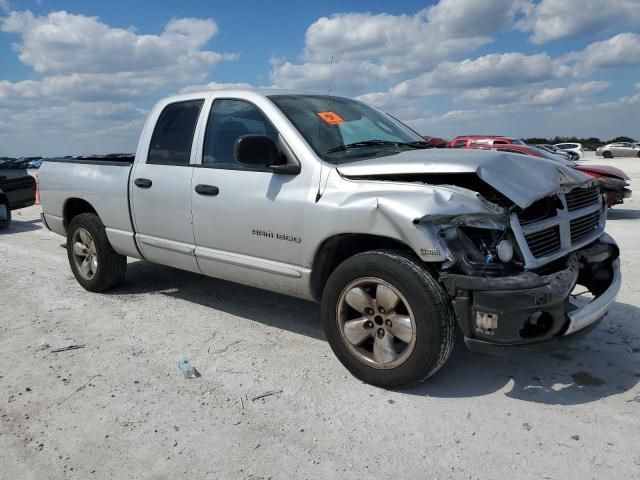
pixel 472 141
pixel 436 142
pixel 613 181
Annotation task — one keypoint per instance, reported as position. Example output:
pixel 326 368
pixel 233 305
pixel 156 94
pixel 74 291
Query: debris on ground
pixel 266 394
pixel 188 370
pixel 66 349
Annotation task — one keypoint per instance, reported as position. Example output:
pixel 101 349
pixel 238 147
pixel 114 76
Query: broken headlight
pixel 480 251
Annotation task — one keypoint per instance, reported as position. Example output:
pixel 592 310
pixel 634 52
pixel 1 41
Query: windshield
pixel 341 130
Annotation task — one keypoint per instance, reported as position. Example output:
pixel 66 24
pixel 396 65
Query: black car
pixel 17 189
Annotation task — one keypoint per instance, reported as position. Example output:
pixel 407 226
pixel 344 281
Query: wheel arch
pixel 74 207
pixel 337 248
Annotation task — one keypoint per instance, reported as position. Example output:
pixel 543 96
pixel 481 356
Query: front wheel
pixel 94 262
pixel 386 318
pixel 607 154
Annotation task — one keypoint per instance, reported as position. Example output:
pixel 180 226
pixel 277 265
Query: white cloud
pixel 65 43
pixel 346 77
pixel 91 73
pixel 384 46
pixel 554 19
pixel 622 50
pixel 493 70
pixel 517 120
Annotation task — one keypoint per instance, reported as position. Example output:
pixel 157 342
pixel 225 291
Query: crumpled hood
pixel 521 178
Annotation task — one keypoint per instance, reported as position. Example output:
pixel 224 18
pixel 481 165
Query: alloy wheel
pixel 376 323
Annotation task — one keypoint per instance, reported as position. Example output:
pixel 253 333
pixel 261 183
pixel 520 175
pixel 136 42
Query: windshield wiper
pixel 374 143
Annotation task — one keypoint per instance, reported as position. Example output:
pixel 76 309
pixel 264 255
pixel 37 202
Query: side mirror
pixel 255 149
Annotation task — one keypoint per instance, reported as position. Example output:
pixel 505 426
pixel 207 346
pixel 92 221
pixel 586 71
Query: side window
pixel 460 144
pixel 173 135
pixel 500 142
pixel 228 120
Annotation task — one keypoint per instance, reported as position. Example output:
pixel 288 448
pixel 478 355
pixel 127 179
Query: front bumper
pixel 534 312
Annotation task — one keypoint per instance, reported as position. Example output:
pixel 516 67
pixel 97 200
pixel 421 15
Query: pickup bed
pixel 327 199
pixel 17 190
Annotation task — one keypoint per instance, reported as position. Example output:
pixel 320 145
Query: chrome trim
pixel 248 261
pixel 598 307
pixel 170 245
pixel 562 219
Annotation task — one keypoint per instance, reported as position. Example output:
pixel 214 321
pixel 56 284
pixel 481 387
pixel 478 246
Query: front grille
pixel 544 242
pixel 540 210
pixel 582 197
pixel 582 227
pixel 552 227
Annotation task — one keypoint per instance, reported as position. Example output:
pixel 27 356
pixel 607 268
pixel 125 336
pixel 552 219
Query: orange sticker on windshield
pixel 331 118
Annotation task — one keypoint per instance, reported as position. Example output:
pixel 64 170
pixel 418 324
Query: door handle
pixel 143 182
pixel 208 190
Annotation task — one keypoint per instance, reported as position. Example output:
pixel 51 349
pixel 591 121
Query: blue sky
pixel 79 77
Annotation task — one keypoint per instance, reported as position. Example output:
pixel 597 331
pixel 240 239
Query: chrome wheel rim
pixel 84 254
pixel 376 323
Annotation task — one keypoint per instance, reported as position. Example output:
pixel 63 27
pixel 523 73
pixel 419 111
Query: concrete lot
pixel 119 407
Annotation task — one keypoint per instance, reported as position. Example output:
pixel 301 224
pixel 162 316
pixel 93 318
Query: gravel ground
pixel 119 407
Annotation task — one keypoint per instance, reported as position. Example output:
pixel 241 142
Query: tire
pixel 638 155
pixel 109 267
pixel 607 154
pixel 432 324
pixel 5 223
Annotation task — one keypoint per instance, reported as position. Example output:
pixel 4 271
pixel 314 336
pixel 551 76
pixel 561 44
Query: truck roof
pixel 242 92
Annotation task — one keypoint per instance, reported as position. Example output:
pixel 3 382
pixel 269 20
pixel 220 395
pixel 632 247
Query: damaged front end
pixel 530 279
pixel 520 248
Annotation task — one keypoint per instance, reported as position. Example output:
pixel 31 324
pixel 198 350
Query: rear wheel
pixel 607 154
pixel 93 261
pixel 386 318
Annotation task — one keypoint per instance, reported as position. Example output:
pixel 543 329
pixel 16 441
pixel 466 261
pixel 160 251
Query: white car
pixel 619 149
pixel 571 147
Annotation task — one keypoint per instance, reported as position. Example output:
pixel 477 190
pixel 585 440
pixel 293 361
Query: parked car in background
pixel 468 141
pixel 17 190
pixel 571 147
pixel 436 142
pixel 532 150
pixel 620 149
pixel 568 154
pixel 613 181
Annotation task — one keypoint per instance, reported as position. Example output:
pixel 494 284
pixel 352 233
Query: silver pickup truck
pixel 327 199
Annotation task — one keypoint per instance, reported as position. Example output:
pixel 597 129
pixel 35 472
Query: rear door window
pixel 460 144
pixel 173 134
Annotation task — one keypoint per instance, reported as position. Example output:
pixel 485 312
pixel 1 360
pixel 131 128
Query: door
pixel 161 188
pixel 629 150
pixel 247 219
pixel 617 150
